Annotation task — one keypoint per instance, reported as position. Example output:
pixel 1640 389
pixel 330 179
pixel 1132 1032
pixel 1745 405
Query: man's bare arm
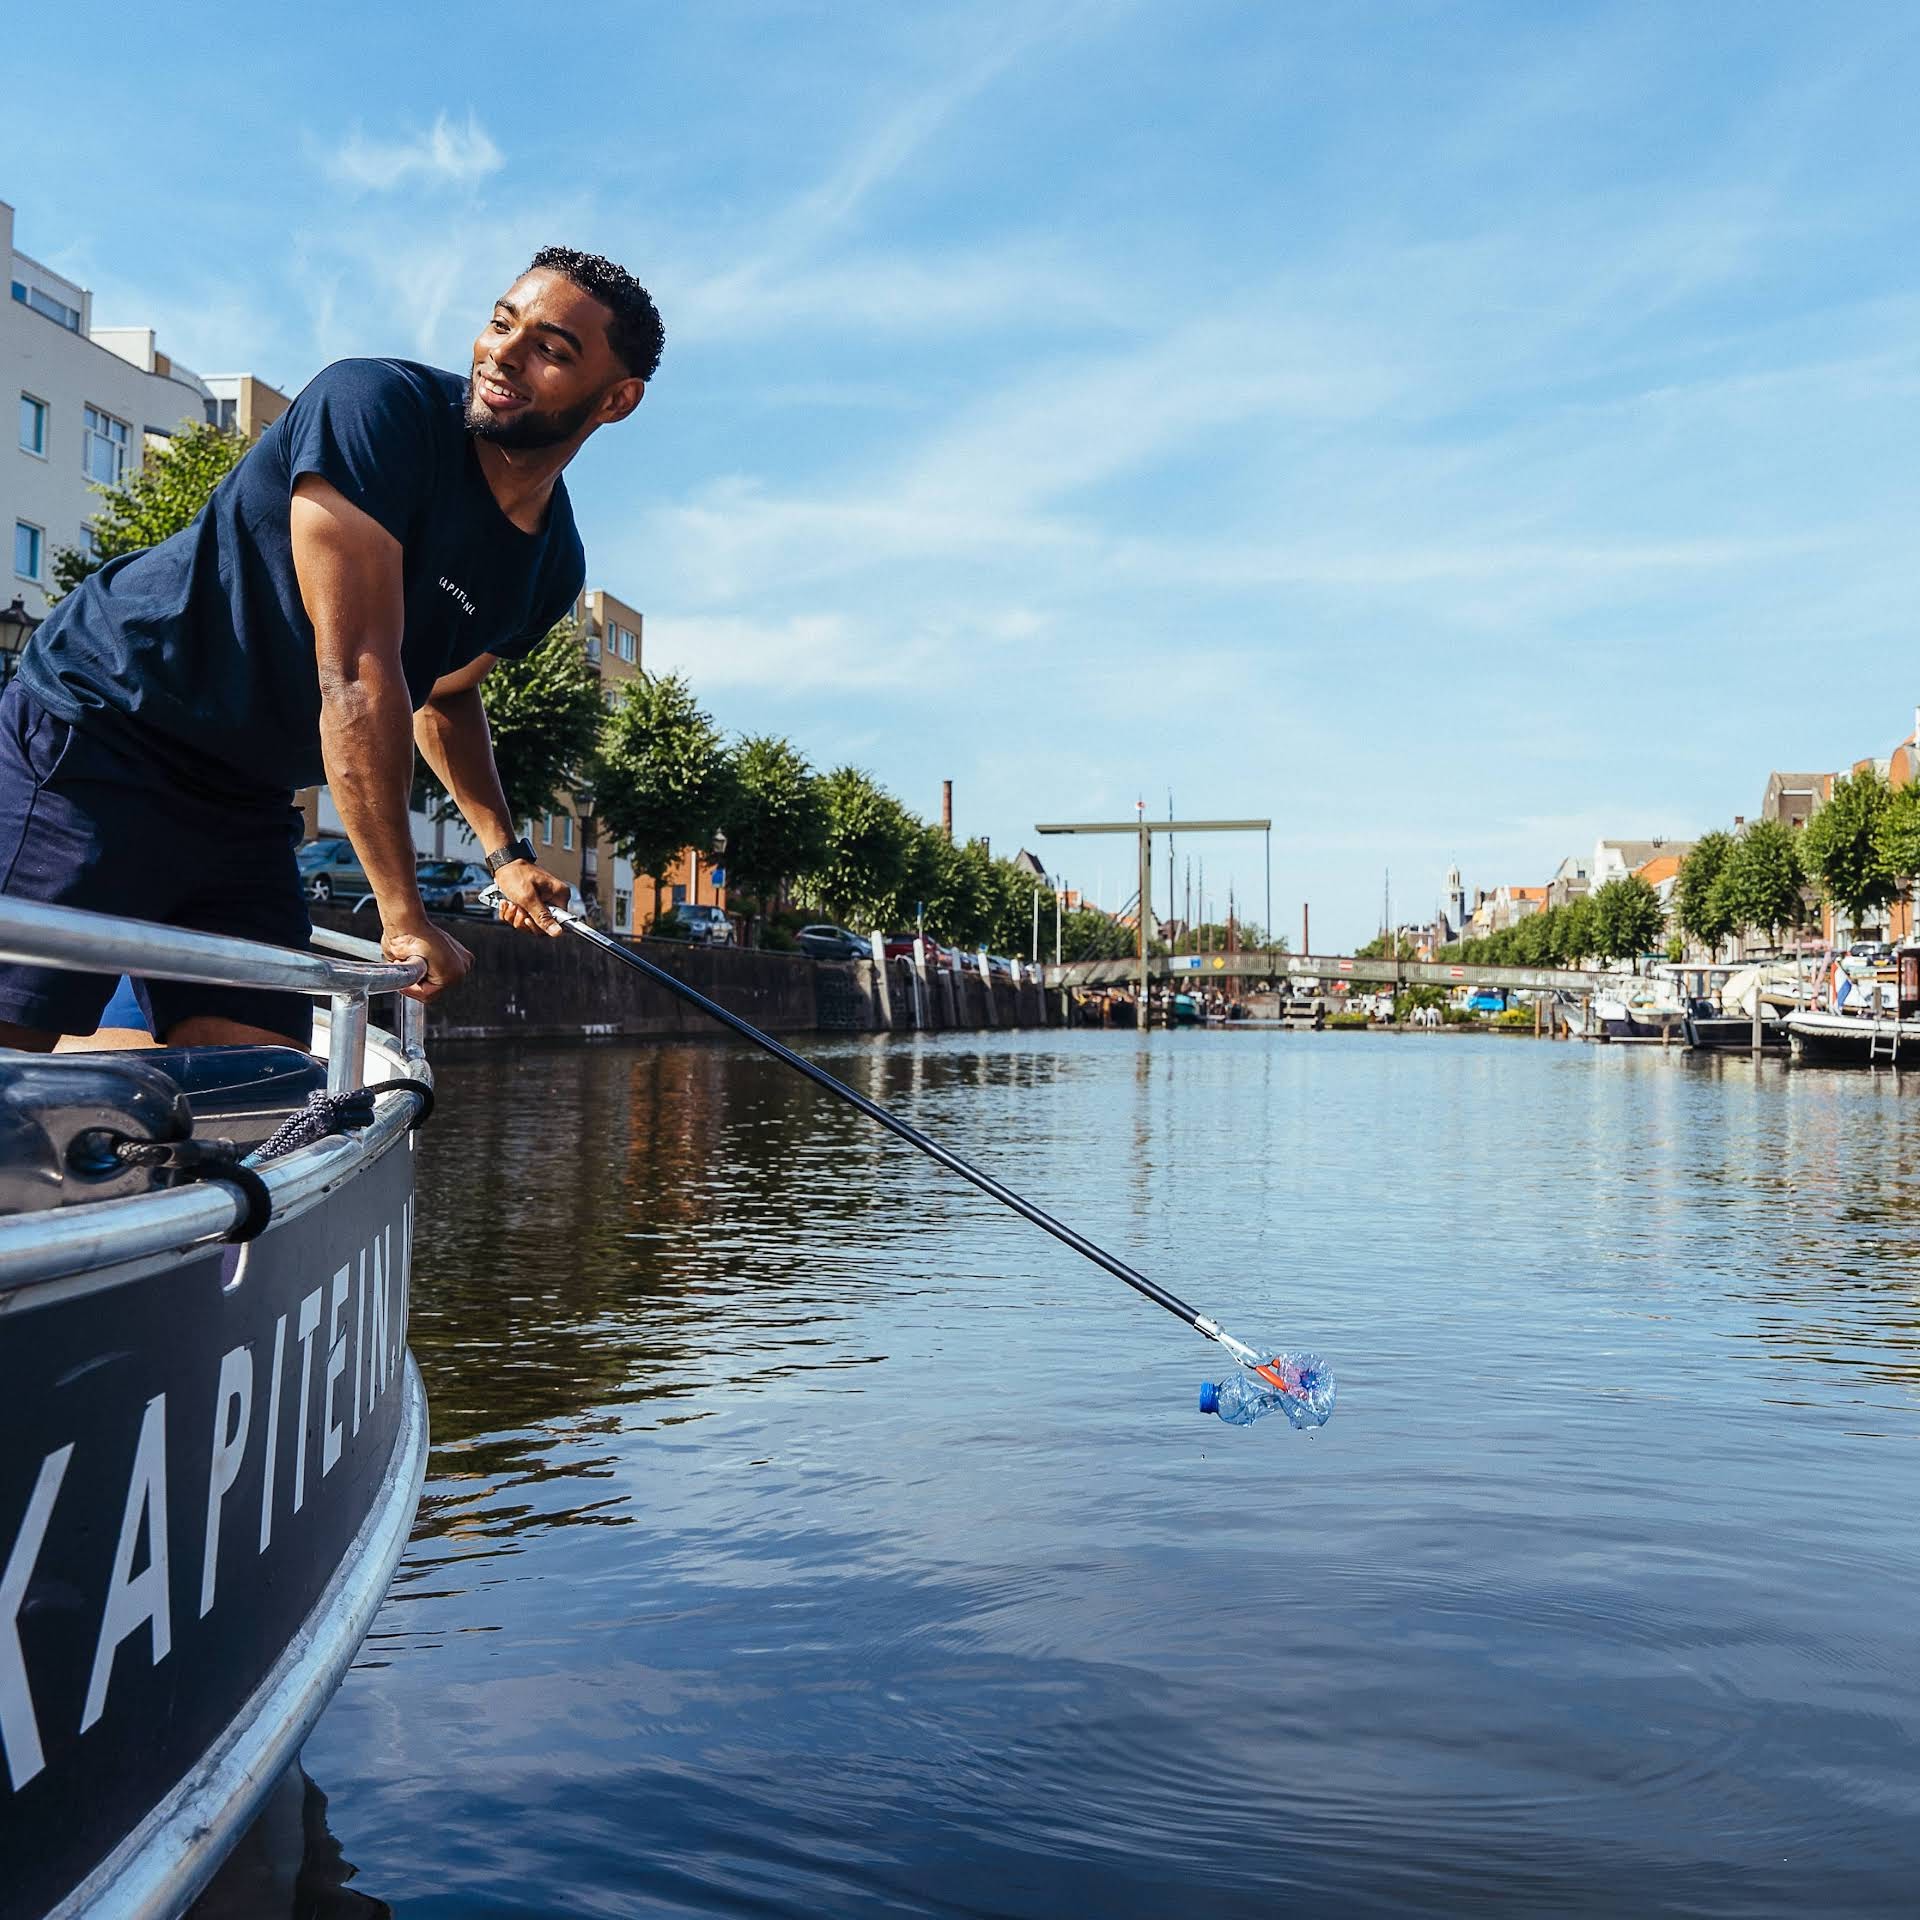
pixel 451 733
pixel 348 568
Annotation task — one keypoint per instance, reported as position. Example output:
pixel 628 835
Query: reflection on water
pixel 288 1863
pixel 805 1535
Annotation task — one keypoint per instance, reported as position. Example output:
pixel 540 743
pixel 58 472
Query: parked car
pixel 330 869
pixel 704 926
pixel 900 947
pixel 828 942
pixel 998 963
pixel 453 886
pixel 1487 1000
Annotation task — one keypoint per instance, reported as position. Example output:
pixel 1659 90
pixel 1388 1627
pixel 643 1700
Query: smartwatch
pixel 507 855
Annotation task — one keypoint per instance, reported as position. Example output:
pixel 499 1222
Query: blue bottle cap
pixel 1209 1397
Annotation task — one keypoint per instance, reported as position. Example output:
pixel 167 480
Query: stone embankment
pixel 523 988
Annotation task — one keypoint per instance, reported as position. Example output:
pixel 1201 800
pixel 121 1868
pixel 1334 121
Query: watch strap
pixel 517 849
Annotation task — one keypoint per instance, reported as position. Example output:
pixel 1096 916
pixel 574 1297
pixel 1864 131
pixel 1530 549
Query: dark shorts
pixel 86 820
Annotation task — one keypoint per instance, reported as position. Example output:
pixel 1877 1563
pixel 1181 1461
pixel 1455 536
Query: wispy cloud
pixel 446 155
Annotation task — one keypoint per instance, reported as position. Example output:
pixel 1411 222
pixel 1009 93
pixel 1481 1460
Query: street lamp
pixel 16 629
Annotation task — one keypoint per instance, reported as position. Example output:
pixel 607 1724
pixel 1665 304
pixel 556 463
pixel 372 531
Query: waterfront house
pixel 1616 859
pixel 1572 880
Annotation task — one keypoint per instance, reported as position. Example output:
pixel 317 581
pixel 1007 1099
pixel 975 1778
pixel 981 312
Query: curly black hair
pixel 635 332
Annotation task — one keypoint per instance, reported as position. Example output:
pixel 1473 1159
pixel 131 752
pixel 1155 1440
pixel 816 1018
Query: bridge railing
pixel 1198 969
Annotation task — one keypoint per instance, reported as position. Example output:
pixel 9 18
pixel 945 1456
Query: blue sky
pixel 1454 430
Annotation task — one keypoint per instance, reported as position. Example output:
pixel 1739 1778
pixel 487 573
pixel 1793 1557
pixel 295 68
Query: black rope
pixel 188 1160
pixel 327 1113
pixel 179 1162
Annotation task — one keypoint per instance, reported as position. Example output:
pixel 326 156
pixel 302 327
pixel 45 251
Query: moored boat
pixel 1854 1039
pixel 212 1437
pixel 1711 1028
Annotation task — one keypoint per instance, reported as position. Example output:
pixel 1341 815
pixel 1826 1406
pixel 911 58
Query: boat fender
pixel 61 1117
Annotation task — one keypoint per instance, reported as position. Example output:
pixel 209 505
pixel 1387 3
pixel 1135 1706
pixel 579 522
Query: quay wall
pixel 524 988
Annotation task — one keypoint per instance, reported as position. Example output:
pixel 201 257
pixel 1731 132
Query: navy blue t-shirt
pixel 200 650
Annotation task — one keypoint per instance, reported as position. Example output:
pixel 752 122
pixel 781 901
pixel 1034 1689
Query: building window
pixel 33 425
pixel 29 545
pixel 622 910
pixel 679 896
pixel 566 831
pixel 623 642
pixel 546 839
pixel 593 649
pixel 44 303
pixel 104 448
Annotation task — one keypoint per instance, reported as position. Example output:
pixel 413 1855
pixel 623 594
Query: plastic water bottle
pixel 1300 1385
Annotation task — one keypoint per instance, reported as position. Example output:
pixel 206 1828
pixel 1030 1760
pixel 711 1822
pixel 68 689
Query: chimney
pixel 1739 821
pixel 946 810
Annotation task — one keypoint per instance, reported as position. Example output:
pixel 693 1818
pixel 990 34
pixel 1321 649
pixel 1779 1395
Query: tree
pixel 1627 919
pixel 871 844
pixel 662 779
pixel 1763 883
pixel 777 824
pixel 1533 939
pixel 1088 934
pixel 1573 935
pixel 544 715
pixel 1698 904
pixel 951 885
pixel 1009 891
pixel 1402 948
pixel 1898 835
pixel 1842 848
pixel 173 483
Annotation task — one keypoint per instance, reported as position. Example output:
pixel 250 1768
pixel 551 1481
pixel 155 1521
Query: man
pixel 337 603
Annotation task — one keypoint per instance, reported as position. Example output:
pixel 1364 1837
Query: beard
pixel 528 429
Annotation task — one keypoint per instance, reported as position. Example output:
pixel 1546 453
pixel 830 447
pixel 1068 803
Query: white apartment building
pixel 87 399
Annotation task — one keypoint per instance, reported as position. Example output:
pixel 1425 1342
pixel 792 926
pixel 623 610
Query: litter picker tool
pixel 1299 1384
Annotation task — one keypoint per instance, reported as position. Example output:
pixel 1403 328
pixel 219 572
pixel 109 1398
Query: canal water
pixel 806 1536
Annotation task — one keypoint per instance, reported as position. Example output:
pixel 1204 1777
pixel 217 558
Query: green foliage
pixel 1553 937
pixel 1572 931
pixel 1764 881
pixel 662 778
pixel 777 823
pixel 1627 919
pixel 871 848
pixel 1898 832
pixel 1411 1000
pixel 1699 902
pixel 1533 939
pixel 1515 1017
pixel 543 713
pixel 174 482
pixel 1841 845
pixel 1348 1022
pixel 1088 934
pixel 1244 936
pixel 1403 948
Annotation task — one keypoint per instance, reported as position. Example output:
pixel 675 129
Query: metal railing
pixel 36 935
